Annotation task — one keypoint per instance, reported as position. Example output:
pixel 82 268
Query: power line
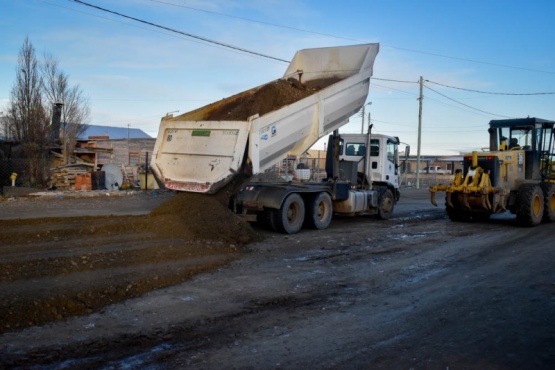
pixel 391 80
pixel 180 32
pixel 416 95
pixel 472 60
pixel 253 20
pixel 301 30
pixel 466 105
pixel 353 39
pixel 391 88
pixel 488 92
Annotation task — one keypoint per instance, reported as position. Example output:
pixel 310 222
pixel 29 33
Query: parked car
pixel 436 170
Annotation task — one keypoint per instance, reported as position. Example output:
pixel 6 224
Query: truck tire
pixel 386 204
pixel 319 211
pixel 529 205
pixel 266 219
pixel 290 217
pixel 549 202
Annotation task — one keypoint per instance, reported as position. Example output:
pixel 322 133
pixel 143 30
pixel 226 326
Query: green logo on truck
pixel 201 133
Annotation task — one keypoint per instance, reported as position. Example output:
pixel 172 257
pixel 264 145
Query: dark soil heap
pixel 200 216
pixel 267 98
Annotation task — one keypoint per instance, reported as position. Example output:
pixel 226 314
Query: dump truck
pixel 516 174
pixel 205 149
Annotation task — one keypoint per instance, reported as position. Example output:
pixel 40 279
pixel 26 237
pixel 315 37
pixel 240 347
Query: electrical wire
pixel 356 40
pixel 282 60
pixel 253 20
pixel 445 96
pixel 180 32
pixel 473 60
pixel 488 92
pixel 391 80
pixel 466 105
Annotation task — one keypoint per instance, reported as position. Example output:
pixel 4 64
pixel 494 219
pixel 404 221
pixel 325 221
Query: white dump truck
pixel 205 149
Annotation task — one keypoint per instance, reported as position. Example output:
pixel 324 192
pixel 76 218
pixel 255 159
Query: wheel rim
pixel 551 202
pixel 536 205
pixel 321 213
pixel 387 205
pixel 293 212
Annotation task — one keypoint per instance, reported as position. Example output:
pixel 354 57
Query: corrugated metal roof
pixel 114 133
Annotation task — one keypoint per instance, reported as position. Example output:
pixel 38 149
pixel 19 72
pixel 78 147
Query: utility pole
pixel 362 115
pixel 420 98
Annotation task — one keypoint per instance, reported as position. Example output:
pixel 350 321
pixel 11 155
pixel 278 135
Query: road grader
pixel 516 174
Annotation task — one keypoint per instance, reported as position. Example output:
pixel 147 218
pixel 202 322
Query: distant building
pixel 127 148
pixel 124 146
pixel 96 132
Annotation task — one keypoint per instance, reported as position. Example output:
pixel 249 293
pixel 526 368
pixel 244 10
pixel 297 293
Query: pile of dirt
pixel 91 262
pixel 267 98
pixel 200 216
pixel 87 263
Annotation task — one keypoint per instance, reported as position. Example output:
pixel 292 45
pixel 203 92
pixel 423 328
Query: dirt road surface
pixel 414 292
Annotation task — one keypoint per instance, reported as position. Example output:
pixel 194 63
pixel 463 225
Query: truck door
pixel 391 162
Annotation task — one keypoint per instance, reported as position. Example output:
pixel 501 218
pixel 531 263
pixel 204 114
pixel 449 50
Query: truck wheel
pixel 290 217
pixel 529 205
pixel 319 211
pixel 385 205
pixel 549 202
pixel 266 219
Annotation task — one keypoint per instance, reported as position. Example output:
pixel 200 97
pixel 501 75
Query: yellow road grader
pixel 516 174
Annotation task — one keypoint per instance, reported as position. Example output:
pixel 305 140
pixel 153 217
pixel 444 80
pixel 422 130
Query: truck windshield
pixel 355 149
pixel 516 137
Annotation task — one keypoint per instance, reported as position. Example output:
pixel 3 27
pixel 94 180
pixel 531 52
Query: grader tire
pixel 549 202
pixel 456 213
pixel 529 205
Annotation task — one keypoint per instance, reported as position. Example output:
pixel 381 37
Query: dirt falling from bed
pixel 200 216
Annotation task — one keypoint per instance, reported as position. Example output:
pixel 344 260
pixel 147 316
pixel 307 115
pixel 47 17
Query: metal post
pixel 146 172
pixel 420 98
pixel 362 115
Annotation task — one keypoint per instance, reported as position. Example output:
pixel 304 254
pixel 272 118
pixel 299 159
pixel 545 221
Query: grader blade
pixel 433 198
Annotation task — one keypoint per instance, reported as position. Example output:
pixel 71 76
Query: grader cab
pixel 516 174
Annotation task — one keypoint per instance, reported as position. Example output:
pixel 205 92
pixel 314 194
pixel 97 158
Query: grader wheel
pixel 549 202
pixel 457 212
pixel 529 205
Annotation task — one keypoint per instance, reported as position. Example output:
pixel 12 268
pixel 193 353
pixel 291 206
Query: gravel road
pixel 414 292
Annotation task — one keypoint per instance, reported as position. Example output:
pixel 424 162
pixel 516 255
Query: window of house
pixel 134 158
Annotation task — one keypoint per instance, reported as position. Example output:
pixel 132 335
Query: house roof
pixel 113 133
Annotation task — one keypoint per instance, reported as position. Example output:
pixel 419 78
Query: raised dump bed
pixel 202 150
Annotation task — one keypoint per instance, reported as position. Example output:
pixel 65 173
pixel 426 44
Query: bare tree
pixel 28 121
pixel 75 109
pixel 37 88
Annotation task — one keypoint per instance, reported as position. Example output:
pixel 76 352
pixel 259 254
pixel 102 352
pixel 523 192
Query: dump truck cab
pixel 382 164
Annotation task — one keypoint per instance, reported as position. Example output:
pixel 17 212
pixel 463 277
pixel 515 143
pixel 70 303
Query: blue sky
pixel 133 74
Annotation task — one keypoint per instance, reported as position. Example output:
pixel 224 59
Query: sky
pixel 479 59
